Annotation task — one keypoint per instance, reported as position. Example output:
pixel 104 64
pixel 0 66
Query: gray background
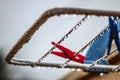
pixel 16 16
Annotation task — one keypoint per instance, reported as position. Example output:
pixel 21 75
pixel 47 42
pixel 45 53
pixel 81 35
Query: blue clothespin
pixel 113 35
pixel 98 48
pixel 96 51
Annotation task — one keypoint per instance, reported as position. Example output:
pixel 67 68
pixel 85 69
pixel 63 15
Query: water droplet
pixel 59 68
pixel 106 17
pixel 88 17
pixel 66 15
pixel 74 15
pixel 38 67
pixel 116 70
pixel 101 74
pixel 78 69
pixel 73 69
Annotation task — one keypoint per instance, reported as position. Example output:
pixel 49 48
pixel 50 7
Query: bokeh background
pixel 17 16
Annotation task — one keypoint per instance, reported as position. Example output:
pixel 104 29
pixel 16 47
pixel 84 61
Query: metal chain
pixel 89 43
pixel 64 37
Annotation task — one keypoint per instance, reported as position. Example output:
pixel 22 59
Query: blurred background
pixel 17 16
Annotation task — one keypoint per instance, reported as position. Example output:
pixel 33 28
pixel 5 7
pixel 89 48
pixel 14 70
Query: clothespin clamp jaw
pixel 114 34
